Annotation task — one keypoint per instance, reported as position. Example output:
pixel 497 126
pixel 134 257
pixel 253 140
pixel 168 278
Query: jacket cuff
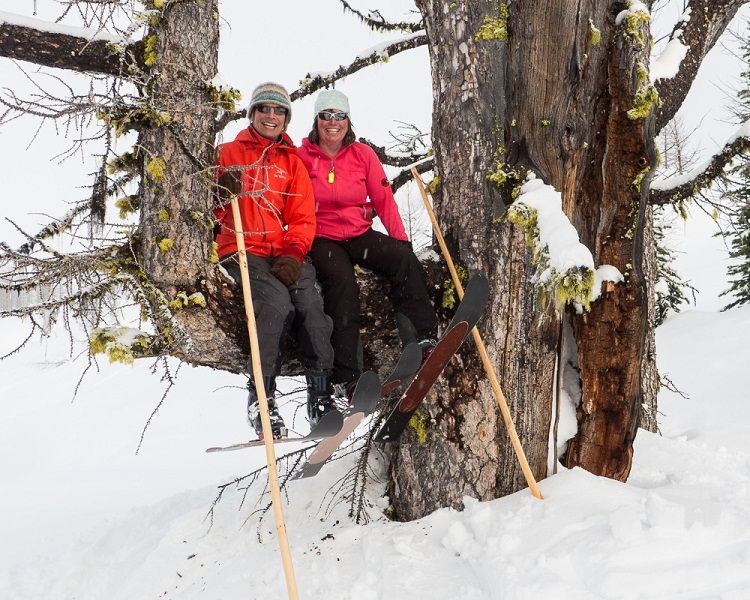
pixel 295 252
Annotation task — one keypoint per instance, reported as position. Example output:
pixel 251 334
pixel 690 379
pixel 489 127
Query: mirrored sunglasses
pixel 327 115
pixel 266 109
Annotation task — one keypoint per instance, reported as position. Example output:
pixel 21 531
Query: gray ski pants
pixel 279 311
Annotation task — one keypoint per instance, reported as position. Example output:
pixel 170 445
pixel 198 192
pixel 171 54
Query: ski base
pixel 467 315
pixel 329 425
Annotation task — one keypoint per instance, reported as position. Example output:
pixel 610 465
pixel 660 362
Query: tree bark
pixel 66 50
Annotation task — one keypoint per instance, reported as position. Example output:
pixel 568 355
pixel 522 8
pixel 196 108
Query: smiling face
pixel 332 132
pixel 269 124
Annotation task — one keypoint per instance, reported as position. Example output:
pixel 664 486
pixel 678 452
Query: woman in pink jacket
pixel 344 174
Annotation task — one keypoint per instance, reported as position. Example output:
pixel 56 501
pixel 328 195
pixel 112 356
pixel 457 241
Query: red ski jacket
pixel 276 202
pixel 342 185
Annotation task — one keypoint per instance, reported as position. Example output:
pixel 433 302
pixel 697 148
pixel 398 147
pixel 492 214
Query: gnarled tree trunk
pixel 529 86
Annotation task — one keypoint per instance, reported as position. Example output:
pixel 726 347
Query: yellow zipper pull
pixel 331 176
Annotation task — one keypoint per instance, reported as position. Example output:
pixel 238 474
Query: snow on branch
pixel 380 53
pixel 565 267
pixel 316 81
pixel 683 186
pixel 667 64
pixel 706 21
pixel 374 20
pixel 65 47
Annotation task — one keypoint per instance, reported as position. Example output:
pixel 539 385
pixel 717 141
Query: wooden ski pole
pixel 273 475
pixel 480 346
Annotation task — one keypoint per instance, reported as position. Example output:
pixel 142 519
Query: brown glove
pixel 229 185
pixel 286 269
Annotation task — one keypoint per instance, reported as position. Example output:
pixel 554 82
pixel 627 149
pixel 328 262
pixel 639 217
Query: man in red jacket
pixel 277 208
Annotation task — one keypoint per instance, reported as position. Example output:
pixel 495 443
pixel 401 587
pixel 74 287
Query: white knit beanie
pixel 328 99
pixel 271 93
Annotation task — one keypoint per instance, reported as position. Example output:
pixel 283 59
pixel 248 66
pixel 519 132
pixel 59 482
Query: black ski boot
pixel 253 409
pixel 319 390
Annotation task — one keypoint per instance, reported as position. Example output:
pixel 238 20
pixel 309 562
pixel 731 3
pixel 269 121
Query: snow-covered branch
pixel 65 47
pixel 683 186
pixel 565 267
pixel 701 26
pixel 316 81
pixel 381 53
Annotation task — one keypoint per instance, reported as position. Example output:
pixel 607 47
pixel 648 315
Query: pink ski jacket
pixel 342 186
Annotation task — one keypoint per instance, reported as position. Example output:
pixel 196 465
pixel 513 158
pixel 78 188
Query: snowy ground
pixel 83 517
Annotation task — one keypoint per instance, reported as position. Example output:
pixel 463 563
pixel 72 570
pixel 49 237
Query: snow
pixel 91 520
pixel 667 65
pixel 555 230
pixel 675 181
pixel 84 517
pixel 82 32
pixel 634 6
pixel 379 50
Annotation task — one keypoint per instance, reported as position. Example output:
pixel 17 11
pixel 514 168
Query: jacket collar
pixel 316 150
pixel 250 136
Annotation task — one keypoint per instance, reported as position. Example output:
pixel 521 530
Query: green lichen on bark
pixel 108 341
pixel 595 36
pixel 635 24
pixel 156 167
pixel 149 51
pixel 419 422
pixel 165 245
pixel 226 99
pixel 574 286
pixel 127 205
pixel 494 27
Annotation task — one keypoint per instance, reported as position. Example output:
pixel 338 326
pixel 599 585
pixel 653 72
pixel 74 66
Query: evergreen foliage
pixel 738 236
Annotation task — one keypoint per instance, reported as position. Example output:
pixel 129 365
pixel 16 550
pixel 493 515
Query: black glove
pixel 286 269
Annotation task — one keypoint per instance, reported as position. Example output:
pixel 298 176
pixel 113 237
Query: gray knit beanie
pixel 271 93
pixel 328 99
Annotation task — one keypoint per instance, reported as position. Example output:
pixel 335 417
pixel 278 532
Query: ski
pixel 364 400
pixel 405 369
pixel 467 315
pixel 329 424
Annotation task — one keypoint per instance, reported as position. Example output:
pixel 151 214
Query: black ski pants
pixel 279 310
pixel 334 262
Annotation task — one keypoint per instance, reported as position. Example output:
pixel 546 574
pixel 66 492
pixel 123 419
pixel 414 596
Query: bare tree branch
pixel 393 161
pixel 709 19
pixel 405 176
pixel 312 83
pixel 701 179
pixel 66 50
pixel 374 20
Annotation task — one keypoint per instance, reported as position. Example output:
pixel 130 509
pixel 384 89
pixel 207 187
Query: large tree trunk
pixel 176 154
pixel 550 98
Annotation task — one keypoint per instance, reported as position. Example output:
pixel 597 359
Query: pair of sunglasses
pixel 267 108
pixel 332 116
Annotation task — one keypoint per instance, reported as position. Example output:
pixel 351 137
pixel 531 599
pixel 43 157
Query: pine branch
pixel 709 19
pixel 714 170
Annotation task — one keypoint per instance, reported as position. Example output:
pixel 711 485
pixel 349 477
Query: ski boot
pixel 278 428
pixel 319 390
